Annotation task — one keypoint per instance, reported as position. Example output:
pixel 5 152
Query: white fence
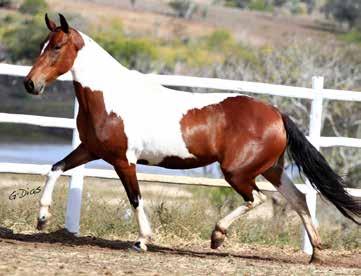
pixel 316 94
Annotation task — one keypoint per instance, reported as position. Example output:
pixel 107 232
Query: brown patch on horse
pixel 102 133
pixel 246 136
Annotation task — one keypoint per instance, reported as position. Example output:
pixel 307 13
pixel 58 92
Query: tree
pixel 183 8
pixel 23 40
pixel 239 3
pixel 279 3
pixel 311 4
pixel 132 2
pixel 344 11
pixel 33 6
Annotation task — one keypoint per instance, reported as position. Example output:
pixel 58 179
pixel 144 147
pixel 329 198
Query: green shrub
pixel 260 5
pixel 352 37
pixel 128 51
pixel 33 6
pixel 23 40
pixel 219 39
pixel 183 8
pixel 238 3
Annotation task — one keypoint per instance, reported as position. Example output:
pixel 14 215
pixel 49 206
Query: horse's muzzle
pixel 31 88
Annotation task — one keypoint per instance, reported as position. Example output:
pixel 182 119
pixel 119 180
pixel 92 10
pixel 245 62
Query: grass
pixel 106 213
pixel 353 36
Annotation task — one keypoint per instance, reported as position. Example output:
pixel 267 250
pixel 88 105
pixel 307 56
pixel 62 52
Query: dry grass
pixel 188 218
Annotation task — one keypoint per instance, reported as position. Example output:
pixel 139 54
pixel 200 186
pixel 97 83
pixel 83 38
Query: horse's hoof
pixel 316 257
pixel 140 246
pixel 218 237
pixel 42 223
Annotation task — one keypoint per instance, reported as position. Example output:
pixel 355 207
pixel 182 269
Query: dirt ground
pixel 60 254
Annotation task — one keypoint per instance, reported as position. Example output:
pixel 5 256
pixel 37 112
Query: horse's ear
pixel 63 24
pixel 49 23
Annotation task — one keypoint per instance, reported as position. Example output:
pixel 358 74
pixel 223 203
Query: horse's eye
pixel 57 47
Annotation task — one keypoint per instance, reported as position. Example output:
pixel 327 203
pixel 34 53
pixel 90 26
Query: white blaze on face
pixel 150 112
pixel 44 47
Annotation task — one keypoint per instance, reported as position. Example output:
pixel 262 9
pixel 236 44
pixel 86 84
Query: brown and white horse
pixel 126 119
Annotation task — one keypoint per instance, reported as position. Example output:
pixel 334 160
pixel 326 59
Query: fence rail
pixel 316 94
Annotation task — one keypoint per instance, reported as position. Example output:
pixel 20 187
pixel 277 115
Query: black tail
pixel 319 173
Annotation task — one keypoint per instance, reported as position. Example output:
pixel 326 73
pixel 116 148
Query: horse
pixel 127 119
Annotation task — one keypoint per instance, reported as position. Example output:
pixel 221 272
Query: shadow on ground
pixel 63 237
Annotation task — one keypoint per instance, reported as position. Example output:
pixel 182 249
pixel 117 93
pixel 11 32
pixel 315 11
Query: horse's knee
pixel 59 166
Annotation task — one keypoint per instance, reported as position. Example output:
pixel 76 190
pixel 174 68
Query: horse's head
pixel 57 56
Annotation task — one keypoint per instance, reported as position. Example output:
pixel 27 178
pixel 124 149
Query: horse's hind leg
pixel 76 158
pixel 287 188
pixel 253 198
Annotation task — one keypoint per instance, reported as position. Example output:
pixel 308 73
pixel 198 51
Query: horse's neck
pixel 94 67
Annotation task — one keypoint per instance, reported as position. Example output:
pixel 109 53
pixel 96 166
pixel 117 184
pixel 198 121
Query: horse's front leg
pixel 76 158
pixel 128 176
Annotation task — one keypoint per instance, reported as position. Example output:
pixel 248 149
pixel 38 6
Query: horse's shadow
pixel 65 238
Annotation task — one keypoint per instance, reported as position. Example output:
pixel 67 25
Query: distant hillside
pixel 155 18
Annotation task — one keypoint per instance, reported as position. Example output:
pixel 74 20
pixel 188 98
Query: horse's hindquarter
pixel 254 136
pixel 240 132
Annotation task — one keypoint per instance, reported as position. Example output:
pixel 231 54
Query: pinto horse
pixel 126 119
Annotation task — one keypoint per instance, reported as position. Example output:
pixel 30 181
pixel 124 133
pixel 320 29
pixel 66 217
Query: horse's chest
pixel 102 133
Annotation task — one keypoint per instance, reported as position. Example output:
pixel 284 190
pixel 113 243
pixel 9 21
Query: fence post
pixel 72 217
pixel 315 134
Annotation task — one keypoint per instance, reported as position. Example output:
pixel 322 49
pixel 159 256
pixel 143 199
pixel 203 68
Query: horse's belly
pixel 156 150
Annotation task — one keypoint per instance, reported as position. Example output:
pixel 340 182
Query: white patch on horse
pixel 46 197
pixel 150 112
pixel 298 201
pixel 225 222
pixel 52 177
pixel 144 227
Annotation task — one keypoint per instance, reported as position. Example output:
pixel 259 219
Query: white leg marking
pixel 46 197
pixel 225 222
pixel 298 202
pixel 145 231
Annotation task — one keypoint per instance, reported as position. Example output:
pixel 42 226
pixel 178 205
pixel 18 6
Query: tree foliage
pixel 134 53
pixel 33 6
pixel 23 40
pixel 269 5
pixel 344 11
pixel 183 8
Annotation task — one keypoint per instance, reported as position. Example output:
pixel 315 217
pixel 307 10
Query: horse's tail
pixel 319 173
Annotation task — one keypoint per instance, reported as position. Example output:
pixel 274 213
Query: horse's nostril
pixel 29 85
